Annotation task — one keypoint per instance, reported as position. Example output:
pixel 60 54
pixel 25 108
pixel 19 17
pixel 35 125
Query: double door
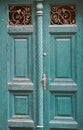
pixel 41 65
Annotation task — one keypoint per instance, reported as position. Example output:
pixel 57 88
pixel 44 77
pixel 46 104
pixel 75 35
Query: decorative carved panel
pixel 20 15
pixel 65 14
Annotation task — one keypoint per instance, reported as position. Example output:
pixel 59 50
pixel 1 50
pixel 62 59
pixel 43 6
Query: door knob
pixel 44 81
pixel 44 54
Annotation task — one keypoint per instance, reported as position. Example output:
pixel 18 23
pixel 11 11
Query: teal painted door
pixel 63 67
pixel 29 51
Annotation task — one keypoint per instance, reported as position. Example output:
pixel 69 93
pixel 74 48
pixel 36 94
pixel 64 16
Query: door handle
pixel 44 81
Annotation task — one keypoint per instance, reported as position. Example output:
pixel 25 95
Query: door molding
pixel 39 14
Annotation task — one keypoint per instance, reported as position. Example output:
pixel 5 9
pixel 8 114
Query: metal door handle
pixel 44 81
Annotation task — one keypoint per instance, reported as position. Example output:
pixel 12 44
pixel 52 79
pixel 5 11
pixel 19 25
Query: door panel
pixel 20 85
pixel 63 56
pixel 63 86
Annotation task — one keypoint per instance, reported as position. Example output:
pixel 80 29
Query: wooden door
pixel 39 38
pixel 63 65
pixel 18 72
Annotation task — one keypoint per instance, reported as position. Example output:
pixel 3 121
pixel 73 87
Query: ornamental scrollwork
pixel 65 14
pixel 20 15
